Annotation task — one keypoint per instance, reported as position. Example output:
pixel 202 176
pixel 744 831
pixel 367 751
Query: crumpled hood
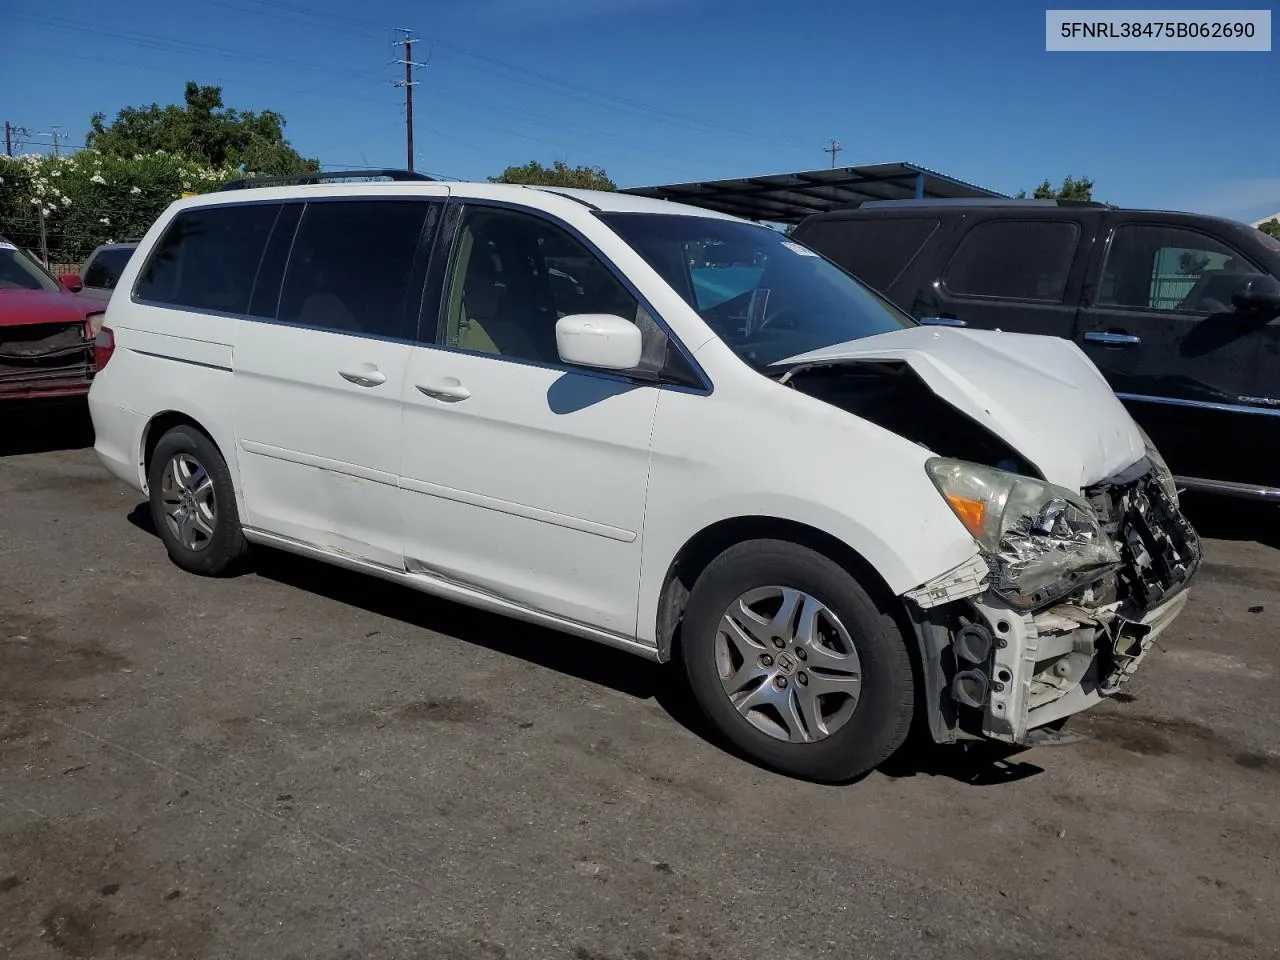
pixel 1041 395
pixel 43 306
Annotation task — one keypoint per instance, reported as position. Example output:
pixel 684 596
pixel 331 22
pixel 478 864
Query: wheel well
pixel 697 554
pixel 161 424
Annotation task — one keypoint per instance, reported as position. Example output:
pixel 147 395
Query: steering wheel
pixel 773 320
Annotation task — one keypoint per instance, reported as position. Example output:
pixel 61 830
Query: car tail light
pixel 94 321
pixel 104 345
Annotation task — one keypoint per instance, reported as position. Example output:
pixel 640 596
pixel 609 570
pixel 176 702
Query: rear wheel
pixel 193 504
pixel 792 660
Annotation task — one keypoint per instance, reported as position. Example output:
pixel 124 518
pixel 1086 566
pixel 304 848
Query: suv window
pixel 105 268
pixel 1155 267
pixel 351 268
pixel 876 251
pixel 514 275
pixel 208 258
pixel 1014 260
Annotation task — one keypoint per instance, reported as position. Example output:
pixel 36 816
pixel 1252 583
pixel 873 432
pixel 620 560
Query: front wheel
pixel 193 504
pixel 792 660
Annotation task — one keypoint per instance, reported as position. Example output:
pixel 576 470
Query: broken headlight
pixel 1041 541
pixel 1164 476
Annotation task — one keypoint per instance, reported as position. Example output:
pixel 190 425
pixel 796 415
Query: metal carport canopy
pixel 790 197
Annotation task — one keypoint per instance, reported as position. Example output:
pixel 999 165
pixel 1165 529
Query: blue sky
pixel 658 91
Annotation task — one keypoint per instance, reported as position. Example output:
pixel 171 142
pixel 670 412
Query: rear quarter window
pixel 876 251
pixel 208 258
pixel 1014 260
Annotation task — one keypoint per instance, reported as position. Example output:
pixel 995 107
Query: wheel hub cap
pixel 788 664
pixel 190 508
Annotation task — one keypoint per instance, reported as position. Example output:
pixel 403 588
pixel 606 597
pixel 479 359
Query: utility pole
pixel 408 83
pixel 833 150
pixel 13 137
pixel 54 134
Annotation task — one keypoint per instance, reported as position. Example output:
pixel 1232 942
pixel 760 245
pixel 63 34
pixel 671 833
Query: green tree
pixel 1071 189
pixel 203 130
pixel 559 174
pixel 1271 227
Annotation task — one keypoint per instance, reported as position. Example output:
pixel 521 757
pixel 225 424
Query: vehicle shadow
pixel 978 764
pixel 46 426
pixel 1231 518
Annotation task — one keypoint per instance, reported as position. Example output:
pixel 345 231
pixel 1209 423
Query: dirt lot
pixel 301 762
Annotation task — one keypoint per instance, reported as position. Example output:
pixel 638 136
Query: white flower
pixel 35 201
pixel 137 156
pixel 97 178
pixel 66 201
pixel 135 190
pixel 105 221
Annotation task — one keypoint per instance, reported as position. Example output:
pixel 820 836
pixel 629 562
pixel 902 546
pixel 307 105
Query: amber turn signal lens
pixel 971 512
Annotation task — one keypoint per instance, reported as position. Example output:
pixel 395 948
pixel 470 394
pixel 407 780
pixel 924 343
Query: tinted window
pixel 352 267
pixel 1168 268
pixel 783 300
pixel 105 268
pixel 875 251
pixel 19 272
pixel 208 258
pixel 514 275
pixel 1014 260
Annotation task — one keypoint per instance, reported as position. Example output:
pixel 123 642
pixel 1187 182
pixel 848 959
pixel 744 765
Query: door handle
pixel 1112 339
pixel 943 322
pixel 448 390
pixel 367 376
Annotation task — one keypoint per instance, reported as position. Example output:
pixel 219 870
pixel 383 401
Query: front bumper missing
pixel 1049 665
pixel 1033 668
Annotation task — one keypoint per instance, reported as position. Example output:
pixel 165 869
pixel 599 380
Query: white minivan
pixel 655 426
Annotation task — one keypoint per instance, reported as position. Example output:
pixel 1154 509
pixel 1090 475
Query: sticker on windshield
pixel 803 251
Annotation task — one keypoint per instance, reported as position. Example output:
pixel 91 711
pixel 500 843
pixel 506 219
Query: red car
pixel 46 331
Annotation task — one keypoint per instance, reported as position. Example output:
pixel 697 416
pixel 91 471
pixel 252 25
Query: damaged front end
pixel 1069 593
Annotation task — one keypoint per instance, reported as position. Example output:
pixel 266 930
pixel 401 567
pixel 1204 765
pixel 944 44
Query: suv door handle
pixel 1112 339
pixel 368 376
pixel 448 389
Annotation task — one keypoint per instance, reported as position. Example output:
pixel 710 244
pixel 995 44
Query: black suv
pixel 1180 312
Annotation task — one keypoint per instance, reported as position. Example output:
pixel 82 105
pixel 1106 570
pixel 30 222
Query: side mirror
pixel 598 340
pixel 1258 294
pixel 71 282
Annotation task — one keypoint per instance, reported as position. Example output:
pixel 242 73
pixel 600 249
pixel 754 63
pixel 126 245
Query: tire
pixel 864 711
pixel 196 518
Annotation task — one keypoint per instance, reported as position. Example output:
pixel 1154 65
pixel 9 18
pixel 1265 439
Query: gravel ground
pixel 302 762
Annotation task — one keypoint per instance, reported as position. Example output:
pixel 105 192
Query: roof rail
pixel 318 176
pixel 973 202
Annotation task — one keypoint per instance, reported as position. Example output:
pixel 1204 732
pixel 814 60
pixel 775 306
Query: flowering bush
pixel 89 198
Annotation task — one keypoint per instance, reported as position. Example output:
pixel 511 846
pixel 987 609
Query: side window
pixel 1156 267
pixel 105 269
pixel 208 258
pixel 352 267
pixel 514 275
pixel 876 251
pixel 1014 260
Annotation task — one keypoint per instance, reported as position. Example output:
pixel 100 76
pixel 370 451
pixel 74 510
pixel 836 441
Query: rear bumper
pixel 118 441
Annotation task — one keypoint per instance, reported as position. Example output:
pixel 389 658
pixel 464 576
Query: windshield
pixel 20 272
pixel 766 296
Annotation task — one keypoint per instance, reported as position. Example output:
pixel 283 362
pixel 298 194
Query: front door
pixel 522 476
pixel 1197 375
pixel 1018 275
pixel 318 379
